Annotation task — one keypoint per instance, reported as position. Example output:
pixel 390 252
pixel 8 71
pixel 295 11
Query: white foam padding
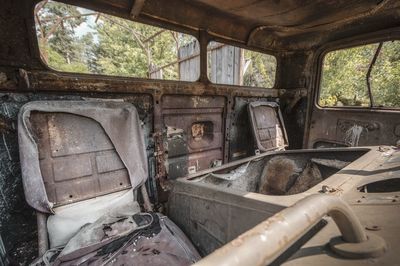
pixel 69 219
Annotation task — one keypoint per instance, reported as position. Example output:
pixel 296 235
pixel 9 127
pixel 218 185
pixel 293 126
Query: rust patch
pixel 159 155
pixel 198 131
pixel 77 159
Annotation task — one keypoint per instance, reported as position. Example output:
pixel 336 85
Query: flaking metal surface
pixel 120 122
pixel 197 140
pixel 77 159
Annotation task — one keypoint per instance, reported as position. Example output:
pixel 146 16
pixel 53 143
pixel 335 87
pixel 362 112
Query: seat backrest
pixel 267 126
pixel 77 159
pixel 80 161
pixel 72 151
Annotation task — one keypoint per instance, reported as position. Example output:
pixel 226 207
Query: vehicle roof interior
pixel 274 25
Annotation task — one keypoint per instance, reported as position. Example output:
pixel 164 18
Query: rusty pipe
pixel 262 244
pixel 43 241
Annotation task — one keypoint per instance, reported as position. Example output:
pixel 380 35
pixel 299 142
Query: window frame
pixel 374 38
pixel 47 67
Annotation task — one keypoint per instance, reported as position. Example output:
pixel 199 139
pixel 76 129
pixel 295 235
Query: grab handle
pixel 262 244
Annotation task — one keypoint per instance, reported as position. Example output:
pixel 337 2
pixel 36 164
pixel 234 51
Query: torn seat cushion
pixel 139 239
pixel 69 219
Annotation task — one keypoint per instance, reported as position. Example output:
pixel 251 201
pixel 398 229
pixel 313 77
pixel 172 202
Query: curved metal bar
pixel 262 244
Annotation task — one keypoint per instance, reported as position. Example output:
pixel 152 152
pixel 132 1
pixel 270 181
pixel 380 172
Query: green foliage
pixel 126 48
pixel 57 61
pixel 118 53
pixel 261 70
pixel 59 34
pixel 385 76
pixel 116 46
pixel 344 76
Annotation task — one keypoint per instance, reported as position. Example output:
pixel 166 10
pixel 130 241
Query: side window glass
pixel 363 76
pixel 343 77
pixel 78 40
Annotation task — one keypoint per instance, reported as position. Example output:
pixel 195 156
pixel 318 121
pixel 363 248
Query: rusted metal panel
pixel 51 81
pixel 194 132
pixel 293 104
pixel 159 155
pixel 77 159
pixel 262 244
pixel 341 127
pixel 211 219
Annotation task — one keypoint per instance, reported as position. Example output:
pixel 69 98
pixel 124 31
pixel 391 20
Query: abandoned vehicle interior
pixel 208 132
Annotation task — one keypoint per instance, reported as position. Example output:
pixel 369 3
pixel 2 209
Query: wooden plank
pixel 189 62
pixel 225 63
